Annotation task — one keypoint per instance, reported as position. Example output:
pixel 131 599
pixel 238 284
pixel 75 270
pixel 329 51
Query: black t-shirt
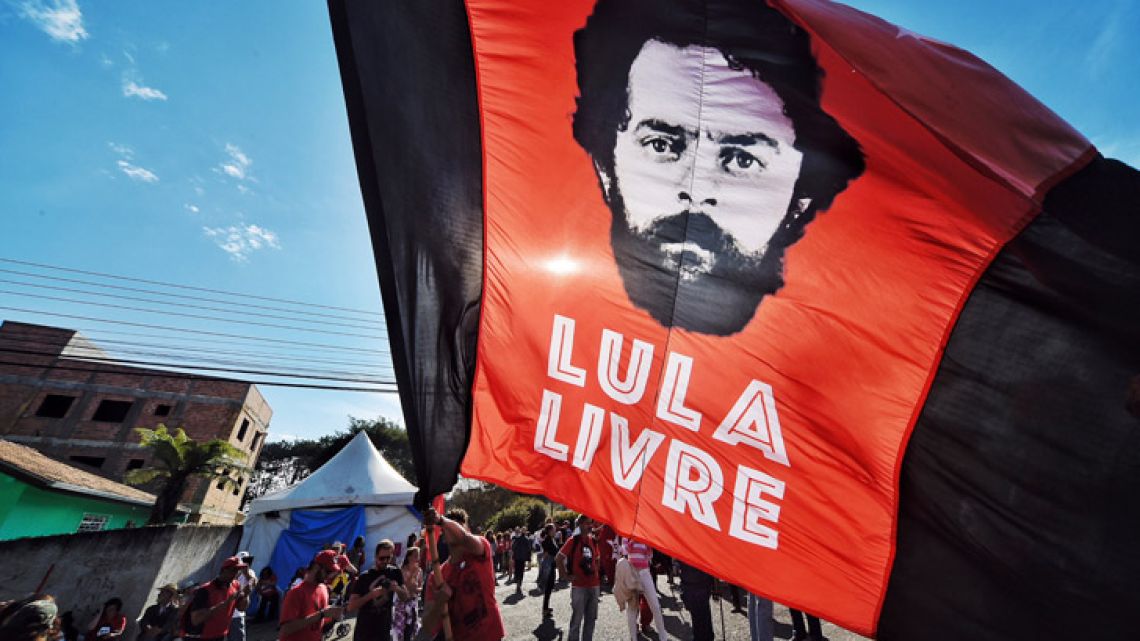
pixel 549 546
pixel 159 617
pixel 374 620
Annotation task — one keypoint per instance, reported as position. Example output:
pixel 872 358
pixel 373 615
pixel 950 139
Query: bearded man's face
pixel 703 178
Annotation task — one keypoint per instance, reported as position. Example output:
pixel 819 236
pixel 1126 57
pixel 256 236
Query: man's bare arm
pixel 295 625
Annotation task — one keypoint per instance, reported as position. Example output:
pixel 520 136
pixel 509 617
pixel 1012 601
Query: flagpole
pixel 437 572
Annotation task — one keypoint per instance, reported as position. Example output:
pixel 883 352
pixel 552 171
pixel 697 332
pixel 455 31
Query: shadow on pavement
pixel 547 631
pixel 677 628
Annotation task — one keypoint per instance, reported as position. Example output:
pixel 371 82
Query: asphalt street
pixel 522 617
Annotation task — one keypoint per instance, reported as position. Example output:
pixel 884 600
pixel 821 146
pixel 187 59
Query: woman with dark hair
pixel 405 616
pixel 268 596
pixel 356 553
pixel 109 623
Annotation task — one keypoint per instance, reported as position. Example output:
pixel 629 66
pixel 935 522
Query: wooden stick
pixel 437 572
pixel 40 587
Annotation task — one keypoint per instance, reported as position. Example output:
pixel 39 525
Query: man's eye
pixel 739 160
pixel 664 146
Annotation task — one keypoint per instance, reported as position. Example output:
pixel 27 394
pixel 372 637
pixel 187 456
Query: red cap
pixel 233 562
pixel 328 560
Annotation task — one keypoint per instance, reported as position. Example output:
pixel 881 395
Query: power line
pixel 224 310
pixel 30 337
pixel 186 287
pixel 95 333
pixel 188 361
pixel 139 290
pixel 134 362
pixel 184 315
pixel 192 331
pixel 156 374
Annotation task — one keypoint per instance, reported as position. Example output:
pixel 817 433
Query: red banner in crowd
pixel 724 247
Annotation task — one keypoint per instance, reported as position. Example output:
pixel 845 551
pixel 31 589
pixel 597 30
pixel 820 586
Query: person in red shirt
pixel 213 604
pixel 110 623
pixel 470 574
pixel 306 607
pixel 578 558
pixel 607 558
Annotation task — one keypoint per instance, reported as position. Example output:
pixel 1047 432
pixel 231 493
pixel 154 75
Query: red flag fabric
pixel 707 269
pixel 637 162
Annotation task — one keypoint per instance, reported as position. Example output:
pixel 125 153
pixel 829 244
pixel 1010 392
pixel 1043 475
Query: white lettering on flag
pixel 558 364
pixel 631 388
pixel 697 492
pixel 629 461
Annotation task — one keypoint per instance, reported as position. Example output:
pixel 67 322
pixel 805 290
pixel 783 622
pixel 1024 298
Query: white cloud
pixel 199 191
pixel 131 88
pixel 62 20
pixel 105 61
pixel 134 172
pixel 238 164
pixel 122 150
pixel 239 241
pixel 193 209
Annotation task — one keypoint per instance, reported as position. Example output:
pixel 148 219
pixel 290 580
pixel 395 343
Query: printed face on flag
pixel 703 175
pixel 699 146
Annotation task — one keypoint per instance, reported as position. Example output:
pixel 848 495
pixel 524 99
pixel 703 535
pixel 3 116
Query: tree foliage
pixel 284 463
pixel 564 515
pixel 523 511
pixel 178 458
pixel 481 502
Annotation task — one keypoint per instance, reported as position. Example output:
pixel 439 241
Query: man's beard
pixel 677 287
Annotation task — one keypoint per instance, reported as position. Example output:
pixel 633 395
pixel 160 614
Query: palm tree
pixel 178 458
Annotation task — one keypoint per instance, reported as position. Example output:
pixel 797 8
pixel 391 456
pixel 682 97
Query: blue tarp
pixel 308 531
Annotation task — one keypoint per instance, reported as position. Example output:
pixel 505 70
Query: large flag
pixel 831 310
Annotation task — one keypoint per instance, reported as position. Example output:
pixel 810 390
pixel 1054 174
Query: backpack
pixel 572 562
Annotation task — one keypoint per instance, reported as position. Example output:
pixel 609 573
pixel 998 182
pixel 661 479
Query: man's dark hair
pixel 458 515
pixel 751 35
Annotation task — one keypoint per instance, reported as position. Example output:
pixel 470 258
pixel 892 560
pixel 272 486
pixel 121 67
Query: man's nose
pixel 700 189
pixel 687 200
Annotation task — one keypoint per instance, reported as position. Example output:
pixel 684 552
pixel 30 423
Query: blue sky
pixel 206 144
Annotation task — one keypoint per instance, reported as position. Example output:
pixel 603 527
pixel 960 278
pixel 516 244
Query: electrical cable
pixel 183 315
pixel 31 338
pixel 94 334
pixel 380 321
pixel 134 362
pixel 187 287
pixel 156 374
pixel 181 304
pixel 191 331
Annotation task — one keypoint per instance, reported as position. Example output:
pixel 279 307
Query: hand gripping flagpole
pixel 437 572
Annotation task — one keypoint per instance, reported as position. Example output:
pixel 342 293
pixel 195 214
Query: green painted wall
pixel 29 511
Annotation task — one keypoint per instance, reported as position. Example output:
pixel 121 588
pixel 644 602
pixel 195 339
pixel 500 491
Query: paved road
pixel 522 616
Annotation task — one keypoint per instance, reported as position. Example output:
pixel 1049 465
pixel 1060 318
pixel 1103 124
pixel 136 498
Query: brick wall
pixel 94 437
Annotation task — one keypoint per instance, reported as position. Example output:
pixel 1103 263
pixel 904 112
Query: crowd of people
pixel 420 590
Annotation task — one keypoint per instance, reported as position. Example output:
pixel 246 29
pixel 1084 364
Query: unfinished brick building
pixel 54 398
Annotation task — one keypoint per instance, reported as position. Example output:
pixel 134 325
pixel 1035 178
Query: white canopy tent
pixel 357 475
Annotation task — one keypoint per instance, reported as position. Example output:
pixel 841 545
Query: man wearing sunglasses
pixel 372 595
